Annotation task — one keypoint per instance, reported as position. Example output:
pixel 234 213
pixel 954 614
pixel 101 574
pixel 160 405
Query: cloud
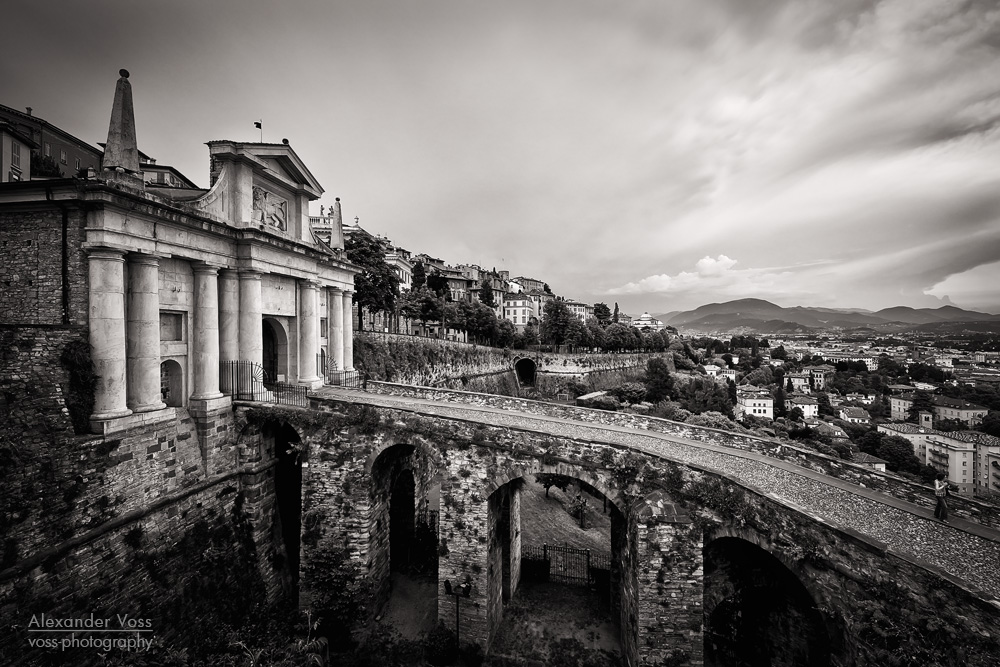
pixel 717 277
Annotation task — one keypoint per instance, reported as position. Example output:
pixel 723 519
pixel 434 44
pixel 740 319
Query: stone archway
pixel 757 611
pixel 525 369
pixel 275 350
pixel 172 383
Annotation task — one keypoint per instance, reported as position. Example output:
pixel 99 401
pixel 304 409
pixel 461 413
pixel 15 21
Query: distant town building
pixel 969 459
pixel 869 461
pixel 751 400
pixel 855 415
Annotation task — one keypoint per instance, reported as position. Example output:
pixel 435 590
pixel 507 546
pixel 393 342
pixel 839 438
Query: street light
pixel 459 591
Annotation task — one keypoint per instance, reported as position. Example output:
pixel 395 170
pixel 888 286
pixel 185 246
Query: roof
pixel 804 400
pixel 857 413
pixel 14 132
pixel 957 403
pixel 862 457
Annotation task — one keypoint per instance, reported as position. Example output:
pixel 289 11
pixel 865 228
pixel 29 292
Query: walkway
pixel 967 551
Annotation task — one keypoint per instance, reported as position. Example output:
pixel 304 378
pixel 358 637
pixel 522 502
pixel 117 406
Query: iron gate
pixel 568 564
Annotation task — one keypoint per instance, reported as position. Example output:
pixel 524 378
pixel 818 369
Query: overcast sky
pixel 660 154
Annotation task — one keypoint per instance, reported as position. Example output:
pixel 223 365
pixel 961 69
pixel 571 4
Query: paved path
pixel 967 551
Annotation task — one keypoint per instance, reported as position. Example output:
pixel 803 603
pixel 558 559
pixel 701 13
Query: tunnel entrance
pixel 550 563
pixel 288 506
pixel 403 516
pixel 757 612
pixel 525 369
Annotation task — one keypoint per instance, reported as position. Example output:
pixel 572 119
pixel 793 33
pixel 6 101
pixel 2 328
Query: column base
pixel 314 382
pixel 104 416
pixel 207 397
pixel 211 404
pixel 149 408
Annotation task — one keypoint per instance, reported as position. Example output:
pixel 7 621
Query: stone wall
pixel 987 514
pixel 42 282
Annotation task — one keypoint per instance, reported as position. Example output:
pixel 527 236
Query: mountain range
pixel 766 317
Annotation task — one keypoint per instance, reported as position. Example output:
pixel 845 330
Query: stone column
pixel 143 339
pixel 206 332
pixel 308 330
pixel 107 332
pixel 251 318
pixel 335 323
pixel 348 321
pixel 229 323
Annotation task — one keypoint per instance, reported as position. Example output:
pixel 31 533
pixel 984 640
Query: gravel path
pixel 905 528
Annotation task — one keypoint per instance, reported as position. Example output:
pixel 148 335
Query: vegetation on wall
pixel 82 382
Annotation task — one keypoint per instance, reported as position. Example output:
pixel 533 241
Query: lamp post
pixel 459 591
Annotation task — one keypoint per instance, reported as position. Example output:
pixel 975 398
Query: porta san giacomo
pixel 137 296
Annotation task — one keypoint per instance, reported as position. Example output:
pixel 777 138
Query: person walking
pixel 941 493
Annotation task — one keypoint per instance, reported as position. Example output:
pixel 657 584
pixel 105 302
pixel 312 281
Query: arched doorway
pixel 172 383
pixel 288 506
pixel 552 545
pixel 757 612
pixel 525 369
pixel 275 350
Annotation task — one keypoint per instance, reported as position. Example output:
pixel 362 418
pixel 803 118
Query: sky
pixel 660 154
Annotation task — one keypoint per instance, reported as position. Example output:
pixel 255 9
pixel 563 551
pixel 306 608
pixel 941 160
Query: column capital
pixel 228 271
pixel 348 292
pixel 331 288
pixel 249 274
pixel 308 283
pixel 143 258
pixel 203 267
pixel 106 253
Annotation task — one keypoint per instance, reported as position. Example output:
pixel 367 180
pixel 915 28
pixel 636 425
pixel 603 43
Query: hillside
pixel 765 317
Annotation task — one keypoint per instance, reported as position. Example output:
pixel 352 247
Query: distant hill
pixel 765 317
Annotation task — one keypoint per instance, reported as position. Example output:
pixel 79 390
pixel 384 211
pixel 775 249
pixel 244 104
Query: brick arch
pixel 584 474
pixel 430 452
pixel 829 640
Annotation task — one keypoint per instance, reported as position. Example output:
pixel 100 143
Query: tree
pixel 659 382
pixel 614 318
pixel 602 313
pixel 618 337
pixel 556 323
pixel 898 454
pixel 438 284
pixel 922 402
pixel 419 276
pixel 376 287
pixel 44 165
pixel 779 403
pixel 486 294
pixel 548 479
pixel 795 414
pixel 789 387
pixel 546 289
pixel 991 424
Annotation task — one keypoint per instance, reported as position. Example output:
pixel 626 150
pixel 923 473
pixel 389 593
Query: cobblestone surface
pixel 966 551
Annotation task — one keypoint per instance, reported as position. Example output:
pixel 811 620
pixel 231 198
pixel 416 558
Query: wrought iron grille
pixel 248 381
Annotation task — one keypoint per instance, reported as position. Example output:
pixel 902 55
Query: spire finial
pixel 121 151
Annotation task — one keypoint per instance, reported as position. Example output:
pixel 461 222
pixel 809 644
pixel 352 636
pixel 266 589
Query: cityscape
pixel 405 386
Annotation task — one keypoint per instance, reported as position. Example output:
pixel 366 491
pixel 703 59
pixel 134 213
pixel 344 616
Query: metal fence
pixel 247 381
pixel 568 564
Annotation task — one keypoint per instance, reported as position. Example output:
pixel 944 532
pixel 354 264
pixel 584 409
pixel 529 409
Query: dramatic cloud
pixel 601 147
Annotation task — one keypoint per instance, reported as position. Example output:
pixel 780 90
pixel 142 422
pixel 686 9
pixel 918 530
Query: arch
pixel 588 476
pixel 275 350
pixel 525 369
pixel 172 383
pixel 402 520
pixel 757 610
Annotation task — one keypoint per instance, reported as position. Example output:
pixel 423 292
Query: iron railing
pixel 338 378
pixel 568 564
pixel 248 381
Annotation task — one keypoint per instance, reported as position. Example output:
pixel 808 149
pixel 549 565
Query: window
pixel 15 154
pixel 62 156
pixel 323 330
pixel 48 149
pixel 78 164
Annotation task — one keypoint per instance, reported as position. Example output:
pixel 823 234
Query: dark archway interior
pixel 525 369
pixel 401 521
pixel 757 612
pixel 270 355
pixel 288 501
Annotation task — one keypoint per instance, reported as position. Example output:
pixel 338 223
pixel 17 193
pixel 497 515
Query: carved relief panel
pixel 269 209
